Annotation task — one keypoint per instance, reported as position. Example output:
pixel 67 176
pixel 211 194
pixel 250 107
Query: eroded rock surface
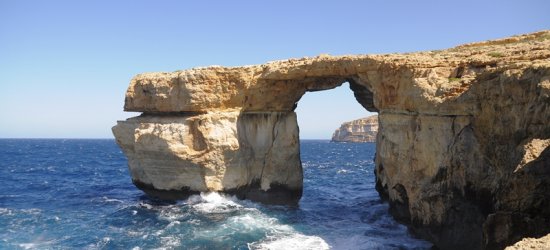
pixel 248 154
pixel 360 130
pixel 532 244
pixel 462 148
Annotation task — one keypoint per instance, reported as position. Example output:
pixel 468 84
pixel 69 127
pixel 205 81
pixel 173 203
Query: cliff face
pixel 463 151
pixel 360 130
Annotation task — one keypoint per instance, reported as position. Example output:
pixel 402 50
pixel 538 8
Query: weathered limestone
pixel 531 243
pixel 360 130
pixel 173 156
pixel 463 152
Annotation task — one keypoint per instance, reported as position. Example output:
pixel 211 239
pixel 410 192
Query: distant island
pixel 360 130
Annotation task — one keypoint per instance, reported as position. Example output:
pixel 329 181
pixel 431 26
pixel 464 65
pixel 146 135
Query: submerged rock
pixel 360 130
pixel 463 153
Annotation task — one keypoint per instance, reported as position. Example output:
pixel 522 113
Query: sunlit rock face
pixel 360 130
pixel 463 153
pixel 250 154
pixel 532 243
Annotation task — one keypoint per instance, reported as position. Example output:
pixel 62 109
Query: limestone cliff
pixel 360 130
pixel 463 149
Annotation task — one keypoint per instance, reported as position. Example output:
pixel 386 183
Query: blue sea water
pixel 77 194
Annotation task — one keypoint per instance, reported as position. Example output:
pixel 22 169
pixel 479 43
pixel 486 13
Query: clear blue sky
pixel 65 65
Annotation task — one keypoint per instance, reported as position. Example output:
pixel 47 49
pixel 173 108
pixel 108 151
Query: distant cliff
pixel 360 130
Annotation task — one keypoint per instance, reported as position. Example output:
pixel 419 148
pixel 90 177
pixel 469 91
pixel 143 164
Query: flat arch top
pixel 421 82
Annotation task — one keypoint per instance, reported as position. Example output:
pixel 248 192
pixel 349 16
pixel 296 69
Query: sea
pixel 78 194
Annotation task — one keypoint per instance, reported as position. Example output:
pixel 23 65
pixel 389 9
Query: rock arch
pixel 454 127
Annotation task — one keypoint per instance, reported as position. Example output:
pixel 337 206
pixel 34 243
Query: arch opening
pixel 339 177
pixel 321 112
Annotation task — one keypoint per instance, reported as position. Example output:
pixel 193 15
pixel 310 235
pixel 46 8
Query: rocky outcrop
pixel 532 243
pixel 360 130
pixel 462 148
pixel 251 155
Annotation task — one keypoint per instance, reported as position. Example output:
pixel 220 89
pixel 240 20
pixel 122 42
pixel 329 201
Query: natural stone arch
pixel 261 157
pixel 455 125
pixel 252 105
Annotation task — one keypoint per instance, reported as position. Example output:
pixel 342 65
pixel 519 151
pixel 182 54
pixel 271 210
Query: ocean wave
pixel 343 171
pixel 213 202
pixel 101 244
pixel 107 199
pixel 289 242
pixel 250 221
pixel 5 211
pixel 38 244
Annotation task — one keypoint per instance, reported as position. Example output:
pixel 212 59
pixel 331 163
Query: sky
pixel 65 65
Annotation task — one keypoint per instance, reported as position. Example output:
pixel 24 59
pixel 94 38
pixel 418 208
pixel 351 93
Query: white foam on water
pixel 173 223
pixel 171 213
pixel 28 245
pixel 257 221
pixel 145 205
pixel 39 243
pixel 213 202
pixel 101 244
pixel 307 165
pixel 169 242
pixel 343 171
pixel 193 222
pixel 132 233
pixel 33 211
pixel 5 211
pixel 232 218
pixel 107 199
pixel 250 220
pixel 289 242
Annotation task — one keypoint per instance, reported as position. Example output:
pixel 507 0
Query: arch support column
pixel 254 155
